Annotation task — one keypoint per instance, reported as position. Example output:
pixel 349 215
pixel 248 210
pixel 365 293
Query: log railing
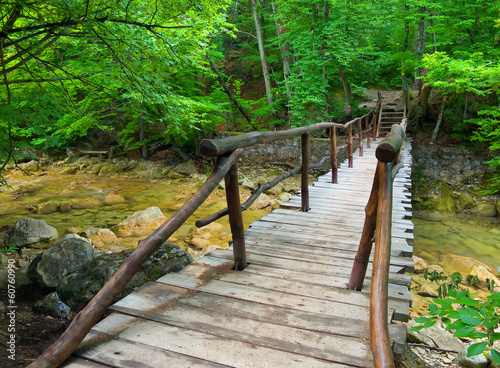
pixel 378 223
pixel 227 151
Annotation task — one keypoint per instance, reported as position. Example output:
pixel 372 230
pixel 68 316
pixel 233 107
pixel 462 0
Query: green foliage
pixel 444 288
pixel 8 249
pixel 467 318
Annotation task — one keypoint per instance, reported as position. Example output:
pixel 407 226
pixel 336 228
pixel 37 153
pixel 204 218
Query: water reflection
pixel 476 237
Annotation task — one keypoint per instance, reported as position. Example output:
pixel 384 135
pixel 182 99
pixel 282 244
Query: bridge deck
pixel 288 308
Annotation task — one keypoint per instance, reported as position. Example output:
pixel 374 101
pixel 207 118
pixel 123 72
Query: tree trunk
pixel 228 91
pixel 345 83
pixel 420 110
pixel 420 47
pixel 284 55
pixel 328 102
pixel 142 138
pixel 260 42
pixel 440 119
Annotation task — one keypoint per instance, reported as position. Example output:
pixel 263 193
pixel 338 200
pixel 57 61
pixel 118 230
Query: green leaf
pixel 495 355
pixel 476 349
pixel 464 331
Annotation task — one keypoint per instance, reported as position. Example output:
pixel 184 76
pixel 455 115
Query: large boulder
pixel 80 286
pixel 48 269
pixel 140 223
pixel 53 306
pixel 28 232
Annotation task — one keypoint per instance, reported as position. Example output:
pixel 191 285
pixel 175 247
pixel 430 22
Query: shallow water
pixel 139 193
pixel 476 237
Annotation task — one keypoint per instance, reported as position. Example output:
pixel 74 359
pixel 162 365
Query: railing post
pixel 362 258
pixel 360 137
pixel 235 218
pixel 367 125
pixel 374 128
pixel 349 142
pixel 304 192
pixel 333 154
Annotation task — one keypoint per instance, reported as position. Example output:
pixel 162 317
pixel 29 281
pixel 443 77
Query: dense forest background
pixel 151 73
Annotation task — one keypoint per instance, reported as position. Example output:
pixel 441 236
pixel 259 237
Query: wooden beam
pixel 388 149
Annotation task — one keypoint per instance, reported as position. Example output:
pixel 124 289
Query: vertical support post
pixel 367 125
pixel 333 154
pixel 235 218
pixel 349 143
pixel 362 258
pixel 304 192
pixel 360 137
pixel 374 130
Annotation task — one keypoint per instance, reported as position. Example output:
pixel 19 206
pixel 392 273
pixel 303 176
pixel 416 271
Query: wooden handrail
pixel 378 222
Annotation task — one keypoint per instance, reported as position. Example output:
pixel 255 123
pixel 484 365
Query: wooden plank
pixel 115 351
pixel 76 362
pixel 224 351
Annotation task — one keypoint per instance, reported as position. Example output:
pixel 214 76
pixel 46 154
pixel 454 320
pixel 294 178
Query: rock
pixel 80 286
pixel 436 268
pixel 208 231
pixel 100 237
pixel 485 209
pixel 113 199
pixel 21 280
pixel 28 232
pixel 464 202
pixel 186 168
pixel 419 264
pixel 73 230
pixel 200 242
pixel 53 306
pixel 30 253
pixel 284 197
pixel 48 269
pixel 248 184
pixel 262 202
pixel 467 262
pixel 84 203
pixel 427 291
pixel 434 196
pixel 30 166
pixel 434 336
pixel 482 273
pixel 43 208
pixel 140 223
pixel 476 361
pixel 211 248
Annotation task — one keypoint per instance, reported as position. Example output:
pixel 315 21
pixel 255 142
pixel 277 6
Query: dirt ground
pixel 34 332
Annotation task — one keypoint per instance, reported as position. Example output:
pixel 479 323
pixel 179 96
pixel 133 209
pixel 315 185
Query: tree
pixel 124 68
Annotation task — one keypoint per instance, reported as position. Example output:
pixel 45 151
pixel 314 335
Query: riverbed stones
pixel 48 269
pixel 28 232
pixel 465 264
pixel 434 197
pixel 140 223
pixel 80 286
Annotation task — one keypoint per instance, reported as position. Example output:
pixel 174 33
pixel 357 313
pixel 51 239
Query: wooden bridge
pixel 289 304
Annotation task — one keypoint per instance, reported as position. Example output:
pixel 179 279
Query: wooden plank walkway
pixel 288 308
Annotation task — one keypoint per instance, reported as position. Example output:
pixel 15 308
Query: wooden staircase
pixel 390 114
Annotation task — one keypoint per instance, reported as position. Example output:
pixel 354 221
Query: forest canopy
pixel 138 74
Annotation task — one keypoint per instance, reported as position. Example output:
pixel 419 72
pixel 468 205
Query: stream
pixel 139 193
pixel 476 237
